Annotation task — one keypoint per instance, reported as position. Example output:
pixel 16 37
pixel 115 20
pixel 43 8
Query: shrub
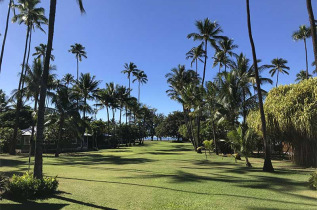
pixel 313 180
pixel 26 186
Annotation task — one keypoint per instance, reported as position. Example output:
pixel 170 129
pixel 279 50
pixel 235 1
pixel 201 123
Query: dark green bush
pixel 26 186
pixel 313 180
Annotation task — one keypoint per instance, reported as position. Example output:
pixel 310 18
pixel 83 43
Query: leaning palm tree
pixel 79 51
pixel 209 33
pixel 301 76
pixel 38 163
pixel 196 54
pixel 141 77
pixel 278 66
pixel 303 34
pixel 32 16
pixel 11 3
pixel 267 162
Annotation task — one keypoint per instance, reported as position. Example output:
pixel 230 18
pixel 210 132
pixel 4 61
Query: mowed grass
pixel 165 175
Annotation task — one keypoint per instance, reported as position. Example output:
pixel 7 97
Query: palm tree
pixel 267 162
pixel 278 65
pixel 32 90
pixel 196 54
pixel 79 51
pixel 209 33
pixel 68 79
pixel 302 34
pixel 129 69
pixel 86 88
pixel 38 164
pixel 40 51
pixel 178 79
pixel 225 49
pixel 301 76
pixel 32 16
pixel 11 3
pixel 123 95
pixel 66 107
pixel 105 100
pixel 141 77
pixel 313 28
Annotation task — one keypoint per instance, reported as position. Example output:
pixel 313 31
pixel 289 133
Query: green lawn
pixel 165 175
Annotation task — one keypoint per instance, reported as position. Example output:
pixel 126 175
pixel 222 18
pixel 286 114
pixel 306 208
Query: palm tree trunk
pixel 277 78
pixel 196 66
pixel 19 97
pixel 108 119
pixel 313 28
pixel 306 58
pixel 32 133
pixel 27 60
pixel 77 67
pixel 60 132
pixel 139 93
pixel 268 167
pixel 38 164
pixel 205 63
pixel 120 115
pixel 5 34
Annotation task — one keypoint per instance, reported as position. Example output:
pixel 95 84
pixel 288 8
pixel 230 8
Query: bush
pixel 313 181
pixel 26 186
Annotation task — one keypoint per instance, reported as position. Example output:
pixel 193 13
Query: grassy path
pixel 164 175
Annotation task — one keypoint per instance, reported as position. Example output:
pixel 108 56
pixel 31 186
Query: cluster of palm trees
pixel 69 97
pixel 231 94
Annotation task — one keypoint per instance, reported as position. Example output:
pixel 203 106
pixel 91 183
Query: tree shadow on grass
pixel 11 162
pixel 30 205
pixel 81 203
pixel 94 159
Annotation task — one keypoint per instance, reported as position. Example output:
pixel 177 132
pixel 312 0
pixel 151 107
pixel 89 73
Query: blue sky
pixel 152 34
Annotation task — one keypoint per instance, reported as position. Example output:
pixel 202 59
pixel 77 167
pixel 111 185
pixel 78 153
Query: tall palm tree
pixel 32 16
pixel 301 76
pixel 141 77
pixel 313 28
pixel 267 162
pixel 196 54
pixel 79 51
pixel 38 163
pixel 209 33
pixel 278 66
pixel 129 68
pixel 302 34
pixel 225 49
pixel 11 3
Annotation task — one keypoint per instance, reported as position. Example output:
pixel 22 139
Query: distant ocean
pixel 163 139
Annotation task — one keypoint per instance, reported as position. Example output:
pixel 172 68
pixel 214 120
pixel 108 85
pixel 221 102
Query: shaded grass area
pixel 164 175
